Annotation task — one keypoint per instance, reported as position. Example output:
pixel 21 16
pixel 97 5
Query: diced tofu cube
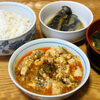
pixel 71 61
pixel 57 87
pixel 54 51
pixel 48 83
pixel 67 69
pixel 33 84
pixel 24 70
pixel 38 62
pixel 25 65
pixel 78 72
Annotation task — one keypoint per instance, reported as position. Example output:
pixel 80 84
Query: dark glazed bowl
pixel 93 54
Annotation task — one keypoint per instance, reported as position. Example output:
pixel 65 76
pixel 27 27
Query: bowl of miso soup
pixel 66 20
pixel 93 43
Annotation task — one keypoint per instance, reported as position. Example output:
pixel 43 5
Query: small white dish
pixel 48 42
pixel 48 11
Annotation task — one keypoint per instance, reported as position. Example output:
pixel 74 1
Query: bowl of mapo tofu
pixel 49 68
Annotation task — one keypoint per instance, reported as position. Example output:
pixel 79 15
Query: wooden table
pixel 90 91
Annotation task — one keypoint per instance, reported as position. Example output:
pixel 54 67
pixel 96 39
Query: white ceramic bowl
pixel 8 46
pixel 48 11
pixel 48 42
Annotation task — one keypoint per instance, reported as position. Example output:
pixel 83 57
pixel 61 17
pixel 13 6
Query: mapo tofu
pixel 49 71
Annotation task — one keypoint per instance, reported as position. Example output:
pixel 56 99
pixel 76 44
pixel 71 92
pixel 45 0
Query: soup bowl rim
pixel 87 35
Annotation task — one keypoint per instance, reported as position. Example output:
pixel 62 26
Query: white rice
pixel 12 24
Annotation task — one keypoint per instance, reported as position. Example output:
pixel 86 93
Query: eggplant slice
pixel 64 20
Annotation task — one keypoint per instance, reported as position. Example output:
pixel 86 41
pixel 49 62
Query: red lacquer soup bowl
pixel 93 54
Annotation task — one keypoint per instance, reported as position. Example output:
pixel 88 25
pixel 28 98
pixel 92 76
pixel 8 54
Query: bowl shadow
pixel 81 92
pixel 26 96
pixel 81 42
pixel 4 58
pixel 95 67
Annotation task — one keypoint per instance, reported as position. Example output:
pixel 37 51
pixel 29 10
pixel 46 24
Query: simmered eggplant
pixel 65 20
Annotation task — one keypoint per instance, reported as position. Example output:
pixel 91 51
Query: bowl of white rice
pixel 17 26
